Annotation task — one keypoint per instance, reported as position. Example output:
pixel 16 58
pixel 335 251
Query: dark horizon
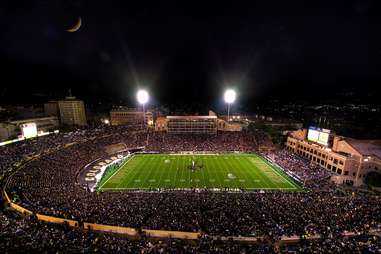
pixel 189 54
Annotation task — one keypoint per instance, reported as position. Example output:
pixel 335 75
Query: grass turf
pixel 243 171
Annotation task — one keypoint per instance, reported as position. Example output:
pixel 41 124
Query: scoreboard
pixel 29 130
pixel 320 136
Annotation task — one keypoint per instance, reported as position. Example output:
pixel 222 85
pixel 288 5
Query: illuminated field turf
pixel 153 171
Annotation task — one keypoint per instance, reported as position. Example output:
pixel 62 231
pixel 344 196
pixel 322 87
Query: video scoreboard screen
pixel 320 136
pixel 29 130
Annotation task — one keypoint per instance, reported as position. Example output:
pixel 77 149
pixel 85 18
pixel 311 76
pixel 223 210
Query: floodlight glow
pixel 142 96
pixel 229 96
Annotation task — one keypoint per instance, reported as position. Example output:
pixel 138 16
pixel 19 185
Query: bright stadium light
pixel 143 97
pixel 229 96
pixel 229 99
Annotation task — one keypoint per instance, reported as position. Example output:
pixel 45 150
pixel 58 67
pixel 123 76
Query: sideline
pixel 127 160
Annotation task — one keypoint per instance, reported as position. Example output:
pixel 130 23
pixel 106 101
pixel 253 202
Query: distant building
pixel 209 124
pixel 161 124
pixel 25 111
pixel 192 124
pixel 51 108
pixel 228 126
pixel 133 116
pixel 350 159
pixel 234 117
pixel 72 111
pixel 43 124
pixel 7 131
pixel 13 128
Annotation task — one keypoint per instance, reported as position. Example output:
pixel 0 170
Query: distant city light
pixel 229 96
pixel 142 96
pixel 107 121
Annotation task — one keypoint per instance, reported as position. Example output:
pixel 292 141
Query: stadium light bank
pixel 229 97
pixel 143 97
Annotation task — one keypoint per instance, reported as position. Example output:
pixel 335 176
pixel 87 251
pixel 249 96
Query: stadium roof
pixel 129 110
pixel 191 117
pixel 367 147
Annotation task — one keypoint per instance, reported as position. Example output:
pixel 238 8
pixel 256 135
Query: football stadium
pixel 132 187
pixel 212 127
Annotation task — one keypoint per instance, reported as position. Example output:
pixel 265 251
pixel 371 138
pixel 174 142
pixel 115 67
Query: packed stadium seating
pixel 47 185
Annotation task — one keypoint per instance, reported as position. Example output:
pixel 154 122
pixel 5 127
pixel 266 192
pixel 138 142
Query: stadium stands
pixel 47 185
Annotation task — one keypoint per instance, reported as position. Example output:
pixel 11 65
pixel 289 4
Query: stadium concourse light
pixel 143 97
pixel 229 99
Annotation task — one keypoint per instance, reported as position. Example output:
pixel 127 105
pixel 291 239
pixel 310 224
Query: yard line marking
pixel 153 173
pixel 281 175
pixel 263 176
pixel 259 172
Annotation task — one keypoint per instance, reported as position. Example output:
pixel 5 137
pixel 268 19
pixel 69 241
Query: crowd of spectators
pixel 299 165
pixel 48 186
pixel 361 243
pixel 26 234
pixel 14 154
pixel 223 142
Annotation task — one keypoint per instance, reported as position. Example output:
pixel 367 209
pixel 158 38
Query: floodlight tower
pixel 229 99
pixel 143 97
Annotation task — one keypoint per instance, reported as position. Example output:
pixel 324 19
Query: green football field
pixel 215 171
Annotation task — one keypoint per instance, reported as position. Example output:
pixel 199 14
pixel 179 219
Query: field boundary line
pixel 116 171
pixel 191 189
pixel 276 171
pixel 261 174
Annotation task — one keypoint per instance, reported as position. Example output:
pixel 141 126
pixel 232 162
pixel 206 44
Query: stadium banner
pixel 110 229
pixel 171 234
pixel 51 219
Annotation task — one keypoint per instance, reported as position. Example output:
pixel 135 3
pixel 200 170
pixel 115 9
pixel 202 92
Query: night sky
pixel 188 53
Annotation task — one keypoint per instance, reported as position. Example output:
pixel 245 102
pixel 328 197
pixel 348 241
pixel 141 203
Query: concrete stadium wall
pixel 110 229
pixel 21 209
pixel 51 219
pixel 171 234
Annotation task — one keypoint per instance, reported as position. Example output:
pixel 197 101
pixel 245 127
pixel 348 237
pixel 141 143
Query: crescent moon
pixel 76 27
